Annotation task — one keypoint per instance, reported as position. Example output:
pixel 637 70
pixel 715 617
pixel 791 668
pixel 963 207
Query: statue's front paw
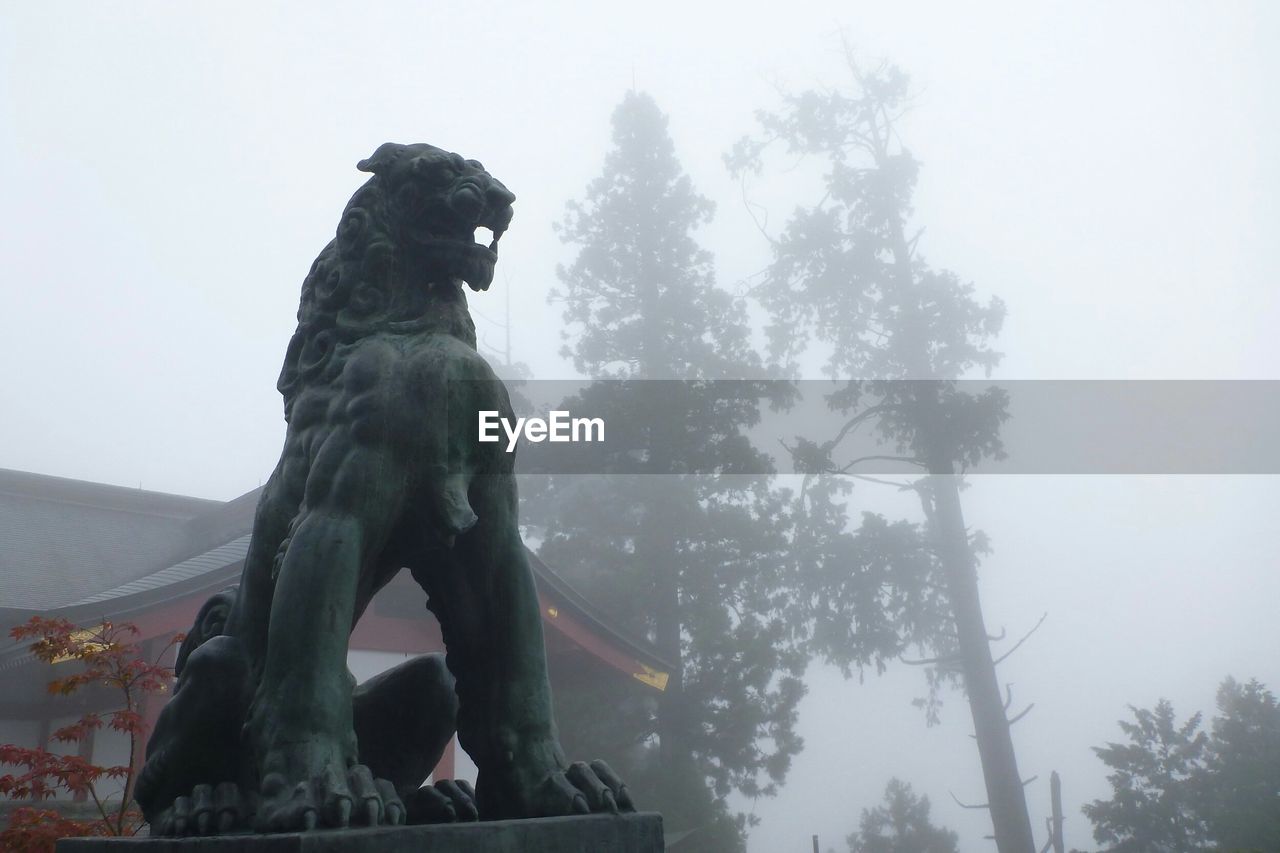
pixel 209 810
pixel 583 789
pixel 448 801
pixel 329 799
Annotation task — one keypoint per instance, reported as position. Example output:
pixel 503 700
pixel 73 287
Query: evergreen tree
pixel 1156 804
pixel 694 563
pixel 1179 789
pixel 846 276
pixel 1240 791
pixel 901 825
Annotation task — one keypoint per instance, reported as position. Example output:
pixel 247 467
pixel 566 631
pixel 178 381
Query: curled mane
pixel 361 284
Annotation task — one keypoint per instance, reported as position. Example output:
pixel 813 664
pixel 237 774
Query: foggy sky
pixel 169 174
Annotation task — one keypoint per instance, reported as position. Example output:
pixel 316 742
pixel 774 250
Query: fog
pixel 169 173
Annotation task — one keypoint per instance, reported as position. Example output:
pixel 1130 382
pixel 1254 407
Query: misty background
pixel 169 175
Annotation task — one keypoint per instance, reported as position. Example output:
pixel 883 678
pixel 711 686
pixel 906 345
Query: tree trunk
pixel 1055 822
pixel 658 550
pixel 1006 799
pixel 672 742
pixel 1005 796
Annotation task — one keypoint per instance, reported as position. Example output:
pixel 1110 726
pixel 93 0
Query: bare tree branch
pixel 1025 711
pixel 911 245
pixel 966 805
pixel 911 460
pixel 941 661
pixel 870 479
pixel 1034 628
pixel 853 422
pixel 751 211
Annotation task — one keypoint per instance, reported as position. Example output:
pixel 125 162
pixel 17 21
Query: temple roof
pixel 89 552
pixel 64 540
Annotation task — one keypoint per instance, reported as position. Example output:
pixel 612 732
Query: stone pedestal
pixel 629 833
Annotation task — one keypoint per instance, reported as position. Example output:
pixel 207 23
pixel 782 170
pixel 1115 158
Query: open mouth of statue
pixel 485 231
pixel 470 257
pixel 483 237
pixel 483 241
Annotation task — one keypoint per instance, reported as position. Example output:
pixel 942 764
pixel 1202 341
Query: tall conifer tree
pixel 848 275
pixel 693 562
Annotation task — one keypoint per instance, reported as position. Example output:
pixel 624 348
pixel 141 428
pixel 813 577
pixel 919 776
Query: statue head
pixel 435 203
pixel 406 240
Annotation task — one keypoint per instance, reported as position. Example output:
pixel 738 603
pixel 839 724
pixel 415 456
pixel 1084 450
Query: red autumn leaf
pixel 95 655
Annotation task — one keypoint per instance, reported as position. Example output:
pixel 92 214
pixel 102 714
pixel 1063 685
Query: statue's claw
pixel 448 801
pixel 393 808
pixel 585 788
pixel 616 789
pixel 598 796
pixel 462 797
pixel 283 811
pixel 210 810
pixel 330 800
pixel 558 796
pixel 379 804
pixel 202 808
pixel 181 815
pixel 544 785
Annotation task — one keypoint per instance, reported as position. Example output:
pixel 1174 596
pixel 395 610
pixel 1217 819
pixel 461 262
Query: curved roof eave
pixel 218 567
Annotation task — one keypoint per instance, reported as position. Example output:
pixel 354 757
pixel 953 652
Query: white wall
pixel 19 732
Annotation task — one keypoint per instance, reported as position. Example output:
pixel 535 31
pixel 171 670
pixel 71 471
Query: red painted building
pixel 91 552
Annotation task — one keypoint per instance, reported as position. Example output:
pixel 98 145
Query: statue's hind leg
pixel 404 720
pixel 300 727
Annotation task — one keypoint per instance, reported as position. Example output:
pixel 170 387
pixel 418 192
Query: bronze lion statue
pixel 380 471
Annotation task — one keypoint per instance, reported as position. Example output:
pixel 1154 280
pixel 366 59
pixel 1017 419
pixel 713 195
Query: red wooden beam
pixel 564 623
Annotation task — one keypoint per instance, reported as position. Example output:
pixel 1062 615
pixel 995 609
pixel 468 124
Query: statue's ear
pixel 382 159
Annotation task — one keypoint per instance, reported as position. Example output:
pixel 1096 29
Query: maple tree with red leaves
pixel 107 657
